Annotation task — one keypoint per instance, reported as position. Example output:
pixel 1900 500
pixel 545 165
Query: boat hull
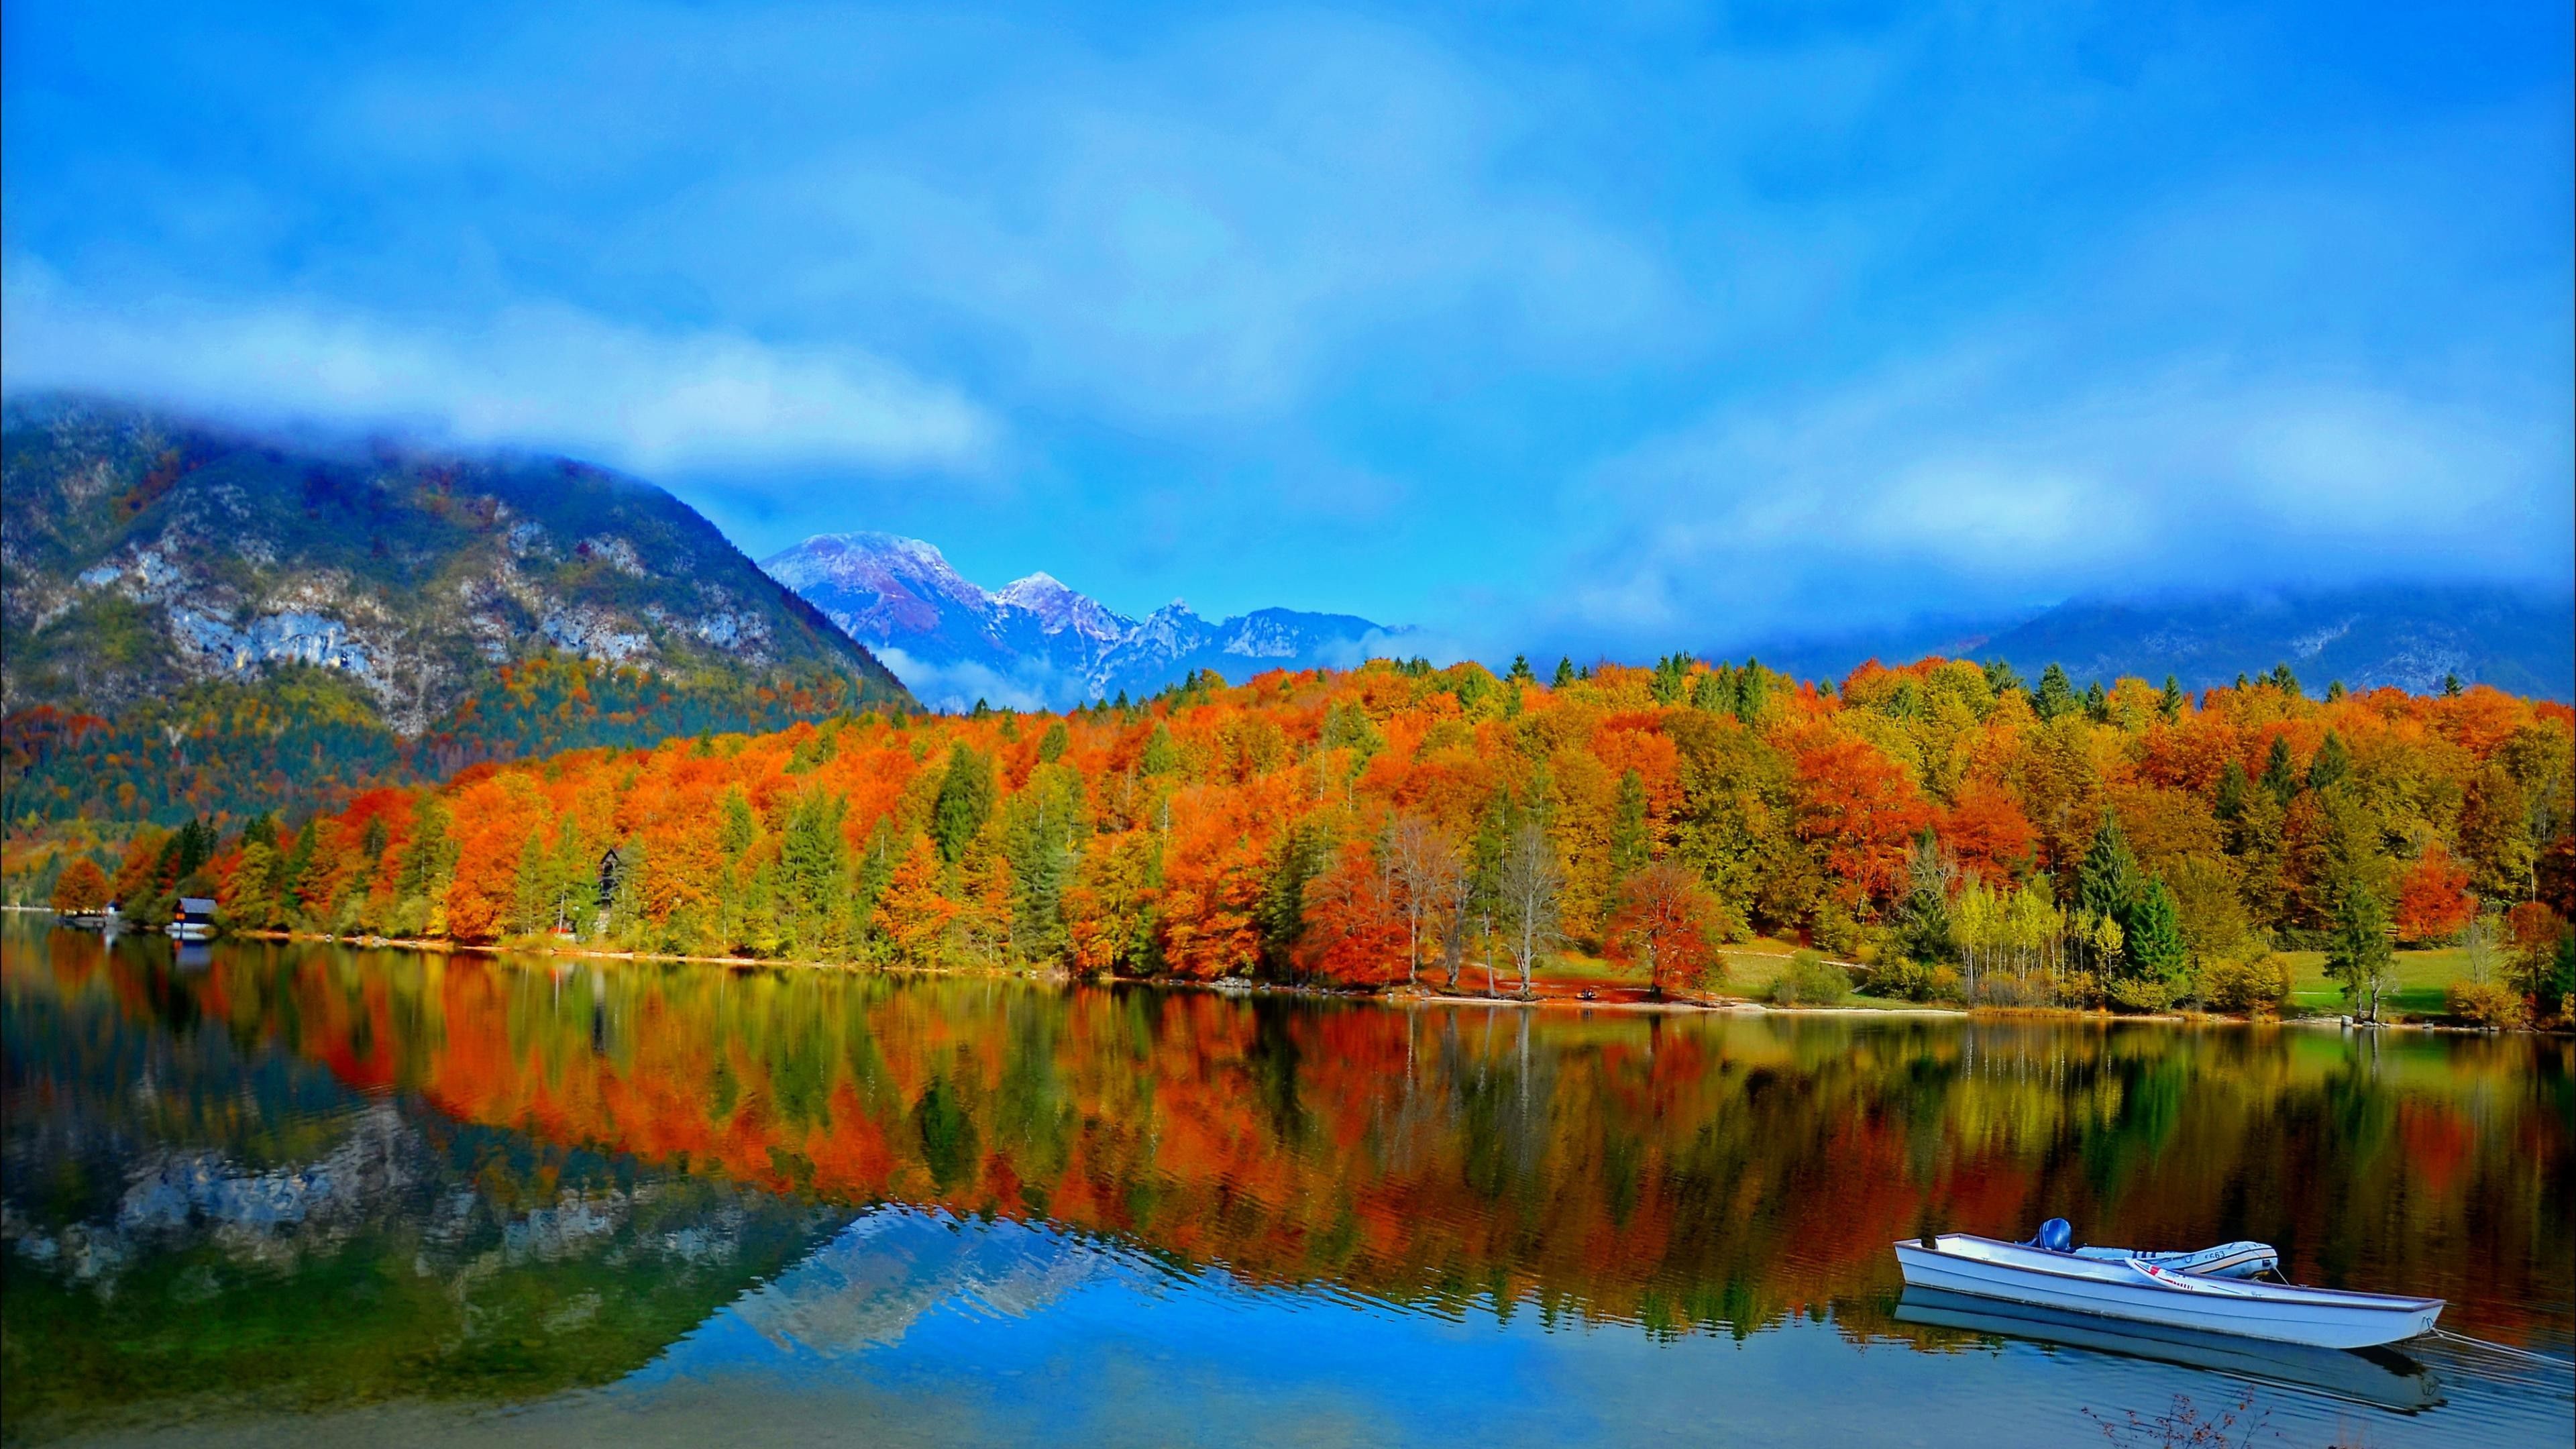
pixel 2322 1318
pixel 2383 1377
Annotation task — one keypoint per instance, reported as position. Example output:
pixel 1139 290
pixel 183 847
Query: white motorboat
pixel 2141 1291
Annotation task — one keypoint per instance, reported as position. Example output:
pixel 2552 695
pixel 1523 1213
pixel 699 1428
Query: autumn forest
pixel 1946 828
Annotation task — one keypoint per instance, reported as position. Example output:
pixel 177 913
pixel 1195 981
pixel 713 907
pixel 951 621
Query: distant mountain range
pixel 1034 643
pixel 2412 636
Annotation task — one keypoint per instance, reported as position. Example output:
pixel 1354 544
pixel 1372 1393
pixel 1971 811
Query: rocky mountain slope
pixel 1036 642
pixel 146 553
pixel 210 621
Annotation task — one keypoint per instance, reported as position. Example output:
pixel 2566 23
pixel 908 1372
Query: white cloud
pixel 1991 474
pixel 536 375
pixel 955 686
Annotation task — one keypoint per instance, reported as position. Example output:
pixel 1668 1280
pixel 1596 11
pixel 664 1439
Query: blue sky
pixel 1599 327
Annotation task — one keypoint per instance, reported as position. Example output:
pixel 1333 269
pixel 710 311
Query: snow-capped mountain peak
pixel 1058 608
pixel 1036 642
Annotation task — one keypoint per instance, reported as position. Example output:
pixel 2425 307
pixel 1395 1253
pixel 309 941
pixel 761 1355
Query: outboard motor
pixel 2056 1235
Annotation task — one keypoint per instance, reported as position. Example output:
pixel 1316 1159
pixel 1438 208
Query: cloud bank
pixel 534 375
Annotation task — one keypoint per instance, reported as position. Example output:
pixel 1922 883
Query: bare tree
pixel 1425 866
pixel 1457 916
pixel 1531 885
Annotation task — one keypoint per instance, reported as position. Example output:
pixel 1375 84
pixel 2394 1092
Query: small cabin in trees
pixel 608 877
pixel 194 920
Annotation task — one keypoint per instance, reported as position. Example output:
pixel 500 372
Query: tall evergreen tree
pixel 2151 932
pixel 2332 765
pixel 965 799
pixel 2106 882
pixel 1280 914
pixel 2056 694
pixel 813 868
pixel 1923 928
pixel 2232 787
pixel 2278 776
pixel 1629 844
pixel 1162 756
pixel 1715 692
pixel 1752 693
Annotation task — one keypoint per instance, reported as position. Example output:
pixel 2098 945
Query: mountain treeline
pixel 304 739
pixel 1957 831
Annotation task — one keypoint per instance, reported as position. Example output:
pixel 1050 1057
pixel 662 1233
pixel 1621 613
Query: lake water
pixel 275 1192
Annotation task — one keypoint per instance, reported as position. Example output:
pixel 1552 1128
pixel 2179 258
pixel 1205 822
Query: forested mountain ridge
pixel 2520 638
pixel 2410 636
pixel 1036 642
pixel 212 621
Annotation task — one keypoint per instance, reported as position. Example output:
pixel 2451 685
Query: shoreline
pixel 1406 997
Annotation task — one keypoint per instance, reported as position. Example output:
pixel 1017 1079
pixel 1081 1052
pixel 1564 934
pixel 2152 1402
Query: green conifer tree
pixel 2152 941
pixel 2278 777
pixel 2106 881
pixel 1162 756
pixel 2056 694
pixel 2332 765
pixel 965 799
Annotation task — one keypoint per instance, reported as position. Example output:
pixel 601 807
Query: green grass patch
pixel 2422 979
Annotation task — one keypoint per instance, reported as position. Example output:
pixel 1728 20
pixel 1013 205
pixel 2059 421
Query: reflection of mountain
pixel 867 1287
pixel 1035 643
pixel 353 1247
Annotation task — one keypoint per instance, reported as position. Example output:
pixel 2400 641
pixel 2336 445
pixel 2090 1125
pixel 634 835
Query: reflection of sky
pixel 913 1325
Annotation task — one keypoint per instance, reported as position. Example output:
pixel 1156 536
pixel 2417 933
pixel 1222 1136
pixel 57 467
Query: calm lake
pixel 296 1192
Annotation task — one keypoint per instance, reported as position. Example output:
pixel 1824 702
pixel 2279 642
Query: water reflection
pixel 340 1176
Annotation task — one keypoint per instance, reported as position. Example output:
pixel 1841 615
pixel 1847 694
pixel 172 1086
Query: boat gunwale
pixel 2296 1293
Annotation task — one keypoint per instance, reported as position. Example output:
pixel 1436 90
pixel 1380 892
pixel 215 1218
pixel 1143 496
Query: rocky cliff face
pixel 1036 643
pixel 145 554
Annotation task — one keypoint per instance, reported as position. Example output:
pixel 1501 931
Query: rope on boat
pixel 2491 1346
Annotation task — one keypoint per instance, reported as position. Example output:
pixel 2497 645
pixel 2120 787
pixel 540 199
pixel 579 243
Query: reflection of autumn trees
pixel 1668 1171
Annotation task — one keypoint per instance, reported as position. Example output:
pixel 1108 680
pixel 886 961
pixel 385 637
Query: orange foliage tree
pixel 2433 901
pixel 1665 924
pixel 1342 826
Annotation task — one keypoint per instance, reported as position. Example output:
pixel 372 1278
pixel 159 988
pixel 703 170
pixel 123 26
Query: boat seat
pixel 2227 1260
